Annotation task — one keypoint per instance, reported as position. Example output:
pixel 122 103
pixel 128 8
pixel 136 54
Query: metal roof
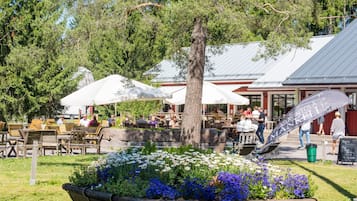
pixel 291 61
pixel 234 63
pixel 335 63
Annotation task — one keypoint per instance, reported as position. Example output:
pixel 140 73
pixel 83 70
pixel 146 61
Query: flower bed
pixel 188 174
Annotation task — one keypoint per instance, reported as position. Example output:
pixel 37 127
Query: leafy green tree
pixel 330 16
pixel 110 37
pixel 33 71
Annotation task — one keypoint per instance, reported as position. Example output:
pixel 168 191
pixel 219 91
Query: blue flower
pixel 194 189
pixel 236 187
pixel 159 190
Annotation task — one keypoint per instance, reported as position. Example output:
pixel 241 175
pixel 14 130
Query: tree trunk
pixel 191 124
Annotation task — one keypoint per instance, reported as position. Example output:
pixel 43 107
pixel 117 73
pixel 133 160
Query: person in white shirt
pixel 304 130
pixel 84 121
pixel 337 130
pixel 245 125
pixel 60 121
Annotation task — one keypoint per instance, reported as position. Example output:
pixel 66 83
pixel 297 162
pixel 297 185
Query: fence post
pixel 34 163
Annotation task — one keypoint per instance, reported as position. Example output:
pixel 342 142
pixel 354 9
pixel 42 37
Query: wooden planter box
pixel 86 194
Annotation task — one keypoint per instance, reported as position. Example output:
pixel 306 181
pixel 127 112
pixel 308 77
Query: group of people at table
pixel 252 121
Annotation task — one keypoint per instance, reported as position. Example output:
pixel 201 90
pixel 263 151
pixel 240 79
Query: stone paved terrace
pixel 288 148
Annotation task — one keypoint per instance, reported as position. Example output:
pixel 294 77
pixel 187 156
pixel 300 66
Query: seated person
pixel 60 121
pixel 111 121
pixel 93 122
pixel 84 121
pixel 141 122
pixel 173 122
pixel 245 125
pixel 153 122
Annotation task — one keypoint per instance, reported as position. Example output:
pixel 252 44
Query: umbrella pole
pixel 115 109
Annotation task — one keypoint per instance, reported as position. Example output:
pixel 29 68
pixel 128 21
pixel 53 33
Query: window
pixel 281 104
pixel 254 100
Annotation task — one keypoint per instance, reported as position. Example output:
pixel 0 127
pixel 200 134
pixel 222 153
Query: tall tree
pixel 281 25
pixel 115 37
pixel 33 77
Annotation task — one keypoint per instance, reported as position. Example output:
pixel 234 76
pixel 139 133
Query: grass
pixel 335 182
pixel 52 172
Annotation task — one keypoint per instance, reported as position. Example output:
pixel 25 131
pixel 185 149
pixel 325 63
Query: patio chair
pixel 3 144
pixel 246 143
pixel 27 142
pixel 69 126
pixel 49 141
pixel 94 140
pixel 77 141
pixel 36 124
pixel 14 135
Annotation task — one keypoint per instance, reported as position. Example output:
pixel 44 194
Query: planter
pixel 86 194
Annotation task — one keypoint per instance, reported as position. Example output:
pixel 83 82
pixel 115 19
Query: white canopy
pixel 112 89
pixel 211 94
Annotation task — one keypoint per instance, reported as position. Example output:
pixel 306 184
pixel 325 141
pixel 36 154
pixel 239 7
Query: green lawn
pixel 335 182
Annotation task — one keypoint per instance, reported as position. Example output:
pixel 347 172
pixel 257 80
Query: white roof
pixel 236 62
pixel 289 64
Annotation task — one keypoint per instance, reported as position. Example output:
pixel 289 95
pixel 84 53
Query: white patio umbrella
pixel 211 94
pixel 112 89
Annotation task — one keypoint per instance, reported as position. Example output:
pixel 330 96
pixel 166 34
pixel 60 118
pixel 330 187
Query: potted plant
pixel 184 173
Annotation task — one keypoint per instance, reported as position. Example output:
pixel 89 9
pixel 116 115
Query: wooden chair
pixel 36 124
pixel 94 140
pixel 69 126
pixel 3 144
pixel 13 129
pixel 49 141
pixel 62 130
pixel 246 143
pixel 27 143
pixel 14 135
pixel 2 125
pixel 50 121
pixel 77 141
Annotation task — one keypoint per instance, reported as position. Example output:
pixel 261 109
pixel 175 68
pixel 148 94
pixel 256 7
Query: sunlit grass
pixel 335 182
pixel 52 172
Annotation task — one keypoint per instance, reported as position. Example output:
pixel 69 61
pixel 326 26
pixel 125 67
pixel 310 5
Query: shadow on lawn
pixel 74 164
pixel 85 161
pixel 328 181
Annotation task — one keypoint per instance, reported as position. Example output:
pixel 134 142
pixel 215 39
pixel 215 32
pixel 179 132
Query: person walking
pixel 304 130
pixel 337 130
pixel 320 122
pixel 261 125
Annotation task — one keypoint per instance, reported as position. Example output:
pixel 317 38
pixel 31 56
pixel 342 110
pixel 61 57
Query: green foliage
pixel 34 78
pixel 79 179
pixel 127 188
pixel 139 108
pixel 148 148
